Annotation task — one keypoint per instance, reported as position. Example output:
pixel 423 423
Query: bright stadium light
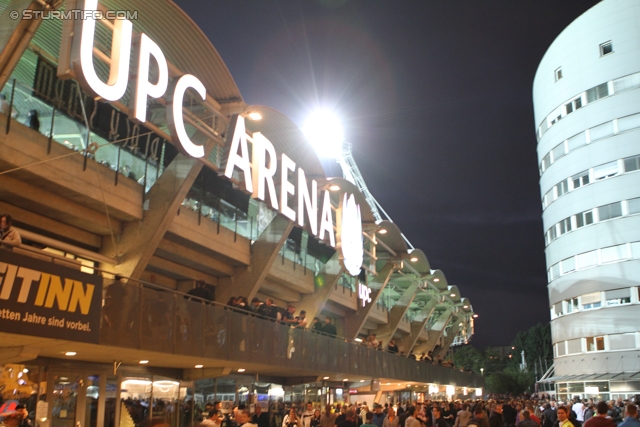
pixel 325 133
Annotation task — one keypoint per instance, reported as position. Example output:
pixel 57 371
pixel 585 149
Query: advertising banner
pixel 43 299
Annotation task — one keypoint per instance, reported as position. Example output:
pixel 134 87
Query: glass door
pixel 77 398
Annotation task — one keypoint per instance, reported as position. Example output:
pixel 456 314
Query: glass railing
pixel 122 156
pixel 147 317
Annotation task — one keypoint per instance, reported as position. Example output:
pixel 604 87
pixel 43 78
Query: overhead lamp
pixel 70 353
pixel 325 378
pixel 358 340
pixel 452 295
pixel 436 280
pixel 382 231
pixel 475 316
pixel 361 381
pixel 143 362
pixel 346 379
pixel 254 115
pixel 241 370
pixel 465 306
pixel 414 259
pixel 334 187
pixel 199 366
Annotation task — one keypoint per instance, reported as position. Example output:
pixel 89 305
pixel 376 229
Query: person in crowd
pixel 578 408
pixel 4 105
pixel 527 421
pixel 342 413
pixel 631 417
pixel 614 413
pixel 392 347
pixel 329 328
pixel 563 417
pixel 438 421
pixel 328 419
pixel 411 420
pixel 590 411
pixel 214 419
pixel 32 120
pixel 391 420
pixel 479 417
pixel 259 418
pixel 301 320
pixel 463 417
pixel 532 415
pixel 496 420
pixel 8 234
pixel 368 416
pixel 291 419
pixel 378 415
pixel 232 302
pixel 600 418
pixel 307 415
pixel 350 419
pixel 243 418
pixel 509 414
pixel 199 293
pixel 549 416
pixel 315 420
pixel 316 325
pixel 256 305
pixel 112 313
pixel 372 342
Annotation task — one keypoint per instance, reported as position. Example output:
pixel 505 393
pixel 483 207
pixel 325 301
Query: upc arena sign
pixel 297 199
pixel 44 299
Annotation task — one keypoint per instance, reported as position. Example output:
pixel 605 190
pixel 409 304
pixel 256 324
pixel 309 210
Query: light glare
pixel 325 133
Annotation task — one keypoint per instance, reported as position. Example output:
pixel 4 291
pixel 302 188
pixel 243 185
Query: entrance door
pixel 77 398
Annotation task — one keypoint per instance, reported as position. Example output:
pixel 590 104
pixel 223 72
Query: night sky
pixel 435 97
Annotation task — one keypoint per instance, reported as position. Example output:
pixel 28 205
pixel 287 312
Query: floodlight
pixel 325 133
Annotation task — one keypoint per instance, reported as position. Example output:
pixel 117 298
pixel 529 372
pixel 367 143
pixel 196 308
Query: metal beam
pixel 451 334
pixel 325 282
pixel 417 326
pixel 434 334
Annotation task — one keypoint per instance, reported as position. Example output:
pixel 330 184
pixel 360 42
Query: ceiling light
pixel 382 231
pixel 334 187
pixel 475 316
pixel 452 295
pixel 199 366
pixel 465 306
pixel 254 115
pixel 241 370
pixel 414 259
pixel 358 340
pixel 143 362
pixel 325 378
pixel 399 384
pixel 70 353
pixel 346 379
pixel 25 370
pixel 436 280
pixel 361 381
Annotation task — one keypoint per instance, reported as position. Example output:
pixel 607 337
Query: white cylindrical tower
pixel 586 97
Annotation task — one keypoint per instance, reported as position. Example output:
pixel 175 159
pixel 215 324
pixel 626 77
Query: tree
pixel 536 344
pixel 468 357
pixel 511 380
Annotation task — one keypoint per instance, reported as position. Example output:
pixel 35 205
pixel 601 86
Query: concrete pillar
pixel 246 281
pixel 385 332
pixel 417 326
pixel 16 34
pixel 451 334
pixel 355 322
pixel 139 240
pixel 326 281
pixel 435 332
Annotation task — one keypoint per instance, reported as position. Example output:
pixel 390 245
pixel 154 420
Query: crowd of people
pixel 495 412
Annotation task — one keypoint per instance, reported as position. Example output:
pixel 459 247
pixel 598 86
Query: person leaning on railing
pixel 7 233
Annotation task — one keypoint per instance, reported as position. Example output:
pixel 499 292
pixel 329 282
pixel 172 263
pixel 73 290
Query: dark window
pixel 606 48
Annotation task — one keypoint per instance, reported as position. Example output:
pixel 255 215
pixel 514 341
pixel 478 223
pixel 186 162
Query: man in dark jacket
pixel 527 421
pixel 496 420
pixel 479 417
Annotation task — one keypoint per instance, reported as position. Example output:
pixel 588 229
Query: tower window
pixel 558 73
pixel 606 48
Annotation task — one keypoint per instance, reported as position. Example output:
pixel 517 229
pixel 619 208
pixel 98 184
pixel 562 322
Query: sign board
pixel 43 299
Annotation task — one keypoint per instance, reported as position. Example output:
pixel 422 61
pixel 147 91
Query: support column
pixel 354 323
pixel 451 334
pixel 417 326
pixel 16 34
pixel 246 281
pixel 435 332
pixel 139 240
pixel 325 283
pixel 385 332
